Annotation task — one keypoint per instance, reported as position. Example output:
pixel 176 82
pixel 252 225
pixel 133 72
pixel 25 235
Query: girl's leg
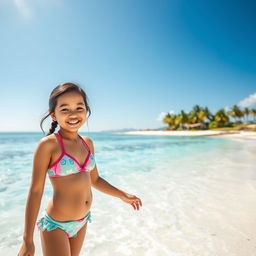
pixel 77 242
pixel 55 243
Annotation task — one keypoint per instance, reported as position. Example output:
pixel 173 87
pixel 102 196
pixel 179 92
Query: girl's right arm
pixel 41 162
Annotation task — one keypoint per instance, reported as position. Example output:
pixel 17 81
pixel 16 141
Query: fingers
pixel 135 202
pixel 136 205
pixel 138 202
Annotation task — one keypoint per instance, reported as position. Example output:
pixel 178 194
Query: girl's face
pixel 70 111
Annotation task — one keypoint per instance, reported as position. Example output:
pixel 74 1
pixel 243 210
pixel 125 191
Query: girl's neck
pixel 71 136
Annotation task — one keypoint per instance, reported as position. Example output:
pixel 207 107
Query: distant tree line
pixel 202 118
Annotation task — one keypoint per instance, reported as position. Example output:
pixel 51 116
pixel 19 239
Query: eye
pixel 65 109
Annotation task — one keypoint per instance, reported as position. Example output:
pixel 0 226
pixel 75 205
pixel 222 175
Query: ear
pixel 53 116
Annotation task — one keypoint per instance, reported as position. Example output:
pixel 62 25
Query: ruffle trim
pixel 45 225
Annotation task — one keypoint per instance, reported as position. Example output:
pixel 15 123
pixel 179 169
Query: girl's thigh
pixel 76 243
pixel 55 243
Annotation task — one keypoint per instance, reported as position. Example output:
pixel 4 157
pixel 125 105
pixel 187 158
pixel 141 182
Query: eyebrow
pixel 62 105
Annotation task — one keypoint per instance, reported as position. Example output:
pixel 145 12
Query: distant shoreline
pixel 228 134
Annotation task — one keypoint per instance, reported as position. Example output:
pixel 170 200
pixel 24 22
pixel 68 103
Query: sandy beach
pixel 228 134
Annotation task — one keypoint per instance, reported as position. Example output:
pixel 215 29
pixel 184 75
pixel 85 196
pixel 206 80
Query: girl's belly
pixel 61 208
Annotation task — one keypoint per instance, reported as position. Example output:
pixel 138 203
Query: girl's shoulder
pixel 52 138
pixel 50 142
pixel 87 139
pixel 89 142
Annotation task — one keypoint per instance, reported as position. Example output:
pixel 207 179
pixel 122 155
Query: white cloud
pixel 249 101
pixel 227 108
pixel 163 114
pixel 23 8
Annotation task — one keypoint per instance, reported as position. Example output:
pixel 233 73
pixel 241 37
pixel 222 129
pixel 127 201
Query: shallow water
pixel 198 195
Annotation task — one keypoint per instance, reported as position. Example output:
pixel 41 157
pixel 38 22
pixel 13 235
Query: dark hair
pixel 56 92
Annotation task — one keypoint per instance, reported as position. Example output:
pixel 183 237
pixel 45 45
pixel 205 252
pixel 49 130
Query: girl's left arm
pixel 105 187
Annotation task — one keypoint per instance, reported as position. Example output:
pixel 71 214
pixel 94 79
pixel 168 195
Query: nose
pixel 73 113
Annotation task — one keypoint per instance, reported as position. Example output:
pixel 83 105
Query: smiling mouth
pixel 74 122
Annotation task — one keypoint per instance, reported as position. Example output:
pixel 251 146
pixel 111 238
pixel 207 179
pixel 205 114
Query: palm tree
pixel 221 117
pixel 198 115
pixel 183 118
pixel 246 112
pixel 235 112
pixel 253 112
pixel 193 116
pixel 196 109
pixel 209 115
pixel 177 119
pixel 204 113
pixel 170 120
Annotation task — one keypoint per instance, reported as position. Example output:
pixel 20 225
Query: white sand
pixel 241 134
pixel 235 134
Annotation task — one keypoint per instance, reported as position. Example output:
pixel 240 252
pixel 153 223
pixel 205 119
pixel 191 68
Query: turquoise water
pixel 177 179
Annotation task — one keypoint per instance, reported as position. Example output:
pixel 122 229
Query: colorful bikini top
pixel 67 165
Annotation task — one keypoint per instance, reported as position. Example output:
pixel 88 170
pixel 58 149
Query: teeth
pixel 73 122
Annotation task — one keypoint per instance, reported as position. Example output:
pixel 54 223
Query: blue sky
pixel 134 58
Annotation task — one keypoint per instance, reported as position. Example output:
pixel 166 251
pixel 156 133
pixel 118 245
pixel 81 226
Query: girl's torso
pixel 69 173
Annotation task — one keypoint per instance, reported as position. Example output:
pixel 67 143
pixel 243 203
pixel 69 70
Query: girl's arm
pixel 41 161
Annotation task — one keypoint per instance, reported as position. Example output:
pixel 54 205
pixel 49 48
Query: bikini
pixel 67 165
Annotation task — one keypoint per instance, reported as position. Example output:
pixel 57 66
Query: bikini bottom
pixel 70 227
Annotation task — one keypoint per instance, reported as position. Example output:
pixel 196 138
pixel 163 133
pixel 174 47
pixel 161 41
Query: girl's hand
pixel 132 200
pixel 27 249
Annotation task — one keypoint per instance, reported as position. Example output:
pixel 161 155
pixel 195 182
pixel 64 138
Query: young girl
pixel 68 159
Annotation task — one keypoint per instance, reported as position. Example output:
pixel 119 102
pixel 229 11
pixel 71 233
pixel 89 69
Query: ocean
pixel 198 195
